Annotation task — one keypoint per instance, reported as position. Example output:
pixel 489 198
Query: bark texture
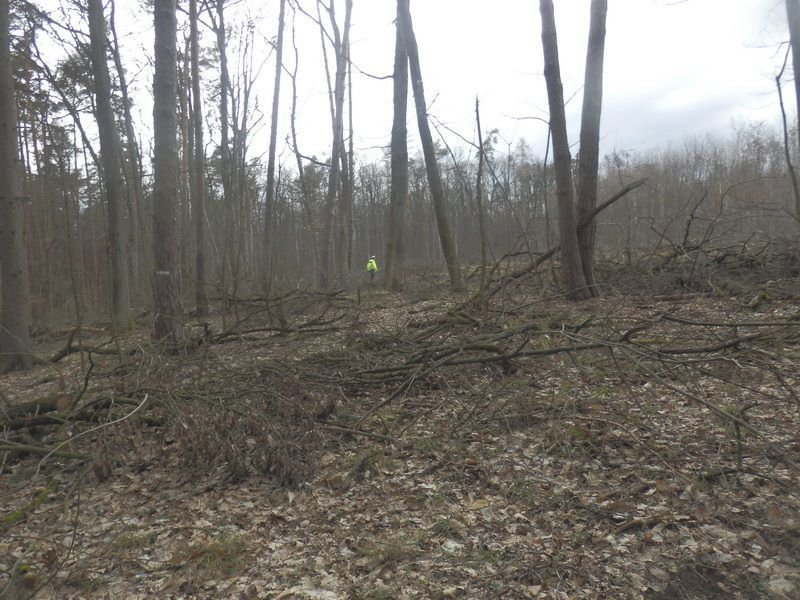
pixel 395 245
pixel 199 171
pixel 326 243
pixel 571 268
pixel 269 200
pixel 168 324
pixel 446 238
pixel 15 314
pixel 111 173
pixel 590 137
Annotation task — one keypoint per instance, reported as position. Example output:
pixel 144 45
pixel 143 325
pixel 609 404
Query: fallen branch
pixel 584 222
pixel 734 324
pixel 28 449
pixel 54 403
pixel 88 431
pixel 642 522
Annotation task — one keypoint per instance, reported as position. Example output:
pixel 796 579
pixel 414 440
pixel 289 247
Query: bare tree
pixel 793 18
pixel 446 238
pixel 571 268
pixel 15 311
pixel 344 237
pixel 168 325
pixel 273 138
pixel 341 43
pixel 112 176
pixel 138 251
pixel 217 17
pixel 394 275
pixel 199 171
pixel 305 193
pixel 479 197
pixel 590 137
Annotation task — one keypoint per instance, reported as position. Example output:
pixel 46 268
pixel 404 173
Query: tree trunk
pixel 446 238
pixel 349 191
pixel 15 347
pixel 199 171
pixel 793 18
pixel 479 198
pixel 168 325
pixel 138 252
pixel 225 154
pixel 273 138
pixel 345 239
pixel 590 138
pixel 305 194
pixel 185 169
pixel 112 176
pixel 395 246
pixel 326 243
pixel 571 269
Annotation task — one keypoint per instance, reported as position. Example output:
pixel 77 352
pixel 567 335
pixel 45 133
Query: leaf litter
pixel 426 450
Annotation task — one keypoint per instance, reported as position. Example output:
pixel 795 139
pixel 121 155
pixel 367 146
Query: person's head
pixel 372 258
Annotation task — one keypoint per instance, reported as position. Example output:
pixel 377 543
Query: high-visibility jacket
pixel 372 266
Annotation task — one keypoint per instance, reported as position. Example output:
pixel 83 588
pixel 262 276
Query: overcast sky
pixel 673 68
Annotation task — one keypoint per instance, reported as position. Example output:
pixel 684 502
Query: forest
pixel 574 373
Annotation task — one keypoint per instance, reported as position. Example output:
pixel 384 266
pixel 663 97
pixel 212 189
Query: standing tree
pixel 226 171
pixel 571 268
pixel 132 169
pixel 590 138
pixel 199 171
pixel 112 176
pixel 479 197
pixel 344 241
pixel 341 44
pixel 273 138
pixel 168 326
pixel 793 18
pixel 395 247
pixel 446 238
pixel 15 310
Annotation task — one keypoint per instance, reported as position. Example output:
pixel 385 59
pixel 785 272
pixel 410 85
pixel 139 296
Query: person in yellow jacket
pixel 372 268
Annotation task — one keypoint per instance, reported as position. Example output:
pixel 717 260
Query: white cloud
pixel 672 67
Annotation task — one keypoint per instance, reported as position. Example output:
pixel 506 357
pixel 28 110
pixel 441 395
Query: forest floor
pixel 375 445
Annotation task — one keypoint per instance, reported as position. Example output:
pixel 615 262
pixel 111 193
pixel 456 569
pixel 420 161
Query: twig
pixel 88 431
pixel 636 522
pixel 28 449
pixel 357 432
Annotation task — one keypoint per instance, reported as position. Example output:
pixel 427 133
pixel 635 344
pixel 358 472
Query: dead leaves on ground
pixel 576 475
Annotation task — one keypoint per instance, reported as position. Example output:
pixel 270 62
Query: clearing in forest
pixel 376 445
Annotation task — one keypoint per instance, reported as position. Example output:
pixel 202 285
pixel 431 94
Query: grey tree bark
pixel 226 167
pixel 344 238
pixel 326 242
pixel 168 321
pixel 479 198
pixel 446 238
pixel 273 138
pixel 199 171
pixel 15 348
pixel 793 18
pixel 590 137
pixel 138 252
pixel 571 268
pixel 305 196
pixel 394 270
pixel 111 173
